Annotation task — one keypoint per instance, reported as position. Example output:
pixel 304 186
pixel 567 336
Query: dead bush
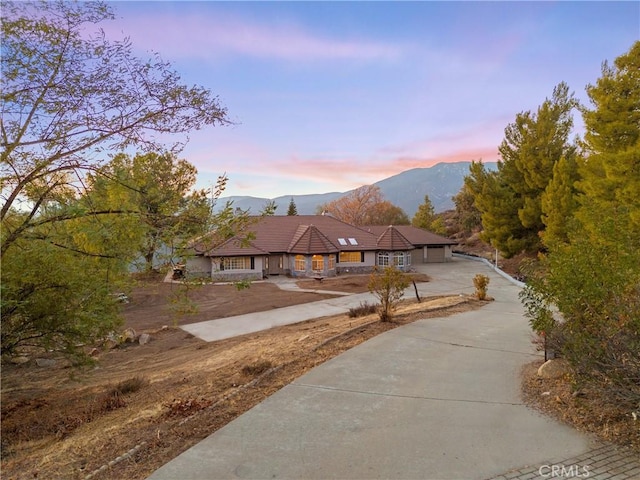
pixel 185 407
pixel 365 308
pixel 257 367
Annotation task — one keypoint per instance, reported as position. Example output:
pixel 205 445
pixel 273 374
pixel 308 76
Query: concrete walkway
pixel 436 399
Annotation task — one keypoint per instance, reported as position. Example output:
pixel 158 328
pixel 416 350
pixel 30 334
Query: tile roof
pixel 306 234
pixel 419 237
pixel 392 240
pixel 308 240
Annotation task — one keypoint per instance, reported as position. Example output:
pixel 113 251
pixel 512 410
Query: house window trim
pixel 300 261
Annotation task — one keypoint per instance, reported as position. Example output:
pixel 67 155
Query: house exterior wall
pixel 219 275
pixel 309 271
pixel 438 254
pixel 198 267
pixel 358 267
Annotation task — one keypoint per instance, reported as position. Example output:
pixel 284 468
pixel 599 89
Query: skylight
pixel 342 241
pixel 353 241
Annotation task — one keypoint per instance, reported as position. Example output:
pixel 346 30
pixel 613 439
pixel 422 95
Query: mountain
pixel 405 190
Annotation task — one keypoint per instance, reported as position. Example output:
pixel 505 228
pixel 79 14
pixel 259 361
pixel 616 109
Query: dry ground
pixel 143 405
pixel 586 409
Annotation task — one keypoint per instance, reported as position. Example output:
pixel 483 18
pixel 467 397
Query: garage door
pixel 435 254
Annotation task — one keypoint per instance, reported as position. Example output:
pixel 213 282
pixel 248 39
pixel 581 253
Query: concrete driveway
pixel 436 399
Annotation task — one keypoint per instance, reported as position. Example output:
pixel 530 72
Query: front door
pixel 275 264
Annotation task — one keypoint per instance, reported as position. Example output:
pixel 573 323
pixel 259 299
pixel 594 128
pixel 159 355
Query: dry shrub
pixel 365 308
pixel 481 282
pixel 257 367
pixel 185 407
pixel 130 385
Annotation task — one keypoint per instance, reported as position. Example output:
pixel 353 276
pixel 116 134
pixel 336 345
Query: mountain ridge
pixel 406 190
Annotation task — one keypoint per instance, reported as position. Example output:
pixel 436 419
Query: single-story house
pixel 315 246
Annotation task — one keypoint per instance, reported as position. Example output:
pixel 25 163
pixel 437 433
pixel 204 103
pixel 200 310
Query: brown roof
pixel 308 234
pixel 308 240
pixel 282 233
pixel 392 240
pixel 418 237
pixel 234 247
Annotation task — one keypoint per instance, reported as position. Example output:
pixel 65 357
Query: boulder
pixel 45 362
pixel 144 338
pixel 554 368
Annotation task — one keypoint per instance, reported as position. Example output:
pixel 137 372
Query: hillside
pixel 405 190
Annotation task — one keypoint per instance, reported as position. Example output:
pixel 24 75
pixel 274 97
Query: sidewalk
pixel 435 399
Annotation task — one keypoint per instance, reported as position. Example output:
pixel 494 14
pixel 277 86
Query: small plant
pixel 130 385
pixel 481 282
pixel 389 287
pixel 257 367
pixel 365 308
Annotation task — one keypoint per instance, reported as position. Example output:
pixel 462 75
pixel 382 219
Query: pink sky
pixel 328 96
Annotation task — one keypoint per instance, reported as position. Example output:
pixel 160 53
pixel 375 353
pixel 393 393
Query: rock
pixel 94 352
pixel 554 368
pixel 129 335
pixel 45 362
pixel 144 338
pixel 19 360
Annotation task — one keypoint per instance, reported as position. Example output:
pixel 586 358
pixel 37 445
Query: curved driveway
pixel 436 399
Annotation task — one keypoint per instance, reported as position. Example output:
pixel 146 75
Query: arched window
pixel 317 262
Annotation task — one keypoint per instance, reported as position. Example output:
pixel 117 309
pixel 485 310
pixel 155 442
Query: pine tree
pixel 510 200
pixel 559 202
pixel 293 210
pixel 425 215
pixel 611 175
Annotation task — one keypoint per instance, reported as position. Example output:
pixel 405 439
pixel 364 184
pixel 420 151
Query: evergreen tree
pixel 467 216
pixel 593 278
pixel 510 200
pixel 611 174
pixel 559 202
pixel 425 215
pixel 293 210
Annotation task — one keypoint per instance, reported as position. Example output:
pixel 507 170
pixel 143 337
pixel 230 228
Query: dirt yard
pixel 142 405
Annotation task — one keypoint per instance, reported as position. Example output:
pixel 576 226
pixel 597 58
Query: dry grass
pixel 69 425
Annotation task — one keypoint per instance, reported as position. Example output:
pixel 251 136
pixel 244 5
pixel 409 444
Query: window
pixel 342 241
pixel 236 263
pixel 383 259
pixel 332 262
pixel 353 257
pixel 317 262
pixel 353 241
pixel 301 264
pixel 398 259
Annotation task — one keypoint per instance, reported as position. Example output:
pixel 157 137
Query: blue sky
pixel 329 96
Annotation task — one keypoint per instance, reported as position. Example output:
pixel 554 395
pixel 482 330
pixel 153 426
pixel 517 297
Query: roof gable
pixel 392 240
pixel 418 237
pixel 308 239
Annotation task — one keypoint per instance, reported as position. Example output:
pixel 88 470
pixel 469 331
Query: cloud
pixel 215 36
